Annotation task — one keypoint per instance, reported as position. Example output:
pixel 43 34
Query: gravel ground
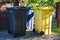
pixel 29 36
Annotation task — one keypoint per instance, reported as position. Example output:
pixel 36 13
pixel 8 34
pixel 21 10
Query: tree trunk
pixel 58 14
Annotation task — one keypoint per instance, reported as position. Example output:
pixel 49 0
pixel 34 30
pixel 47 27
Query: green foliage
pixel 9 0
pixel 39 3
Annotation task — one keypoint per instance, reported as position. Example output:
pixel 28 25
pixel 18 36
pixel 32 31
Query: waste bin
pixel 30 19
pixel 4 19
pixel 17 21
pixel 43 19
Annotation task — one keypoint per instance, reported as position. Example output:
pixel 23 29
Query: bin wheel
pixel 41 33
pixel 34 30
pixel 15 35
pixel 26 28
pixel 9 31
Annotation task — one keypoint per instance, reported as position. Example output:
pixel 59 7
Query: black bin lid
pixel 20 8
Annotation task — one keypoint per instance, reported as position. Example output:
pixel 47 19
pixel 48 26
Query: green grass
pixel 56 30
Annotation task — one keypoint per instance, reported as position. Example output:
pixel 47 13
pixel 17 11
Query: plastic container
pixel 43 20
pixel 17 20
pixel 4 19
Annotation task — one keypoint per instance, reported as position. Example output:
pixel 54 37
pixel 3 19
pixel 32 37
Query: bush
pixel 39 3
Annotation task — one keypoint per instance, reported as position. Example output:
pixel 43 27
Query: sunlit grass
pixel 56 30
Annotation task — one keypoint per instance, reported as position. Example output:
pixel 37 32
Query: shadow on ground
pixel 4 35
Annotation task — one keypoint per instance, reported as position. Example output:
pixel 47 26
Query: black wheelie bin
pixel 17 20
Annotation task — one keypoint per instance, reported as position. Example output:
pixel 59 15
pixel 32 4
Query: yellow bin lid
pixel 48 8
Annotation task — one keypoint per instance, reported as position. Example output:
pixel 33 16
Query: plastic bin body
pixel 18 21
pixel 4 19
pixel 30 19
pixel 43 20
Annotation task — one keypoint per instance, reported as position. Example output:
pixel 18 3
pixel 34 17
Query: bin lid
pixel 47 8
pixel 21 7
pixel 43 8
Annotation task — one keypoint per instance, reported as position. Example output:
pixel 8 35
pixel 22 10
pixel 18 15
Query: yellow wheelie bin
pixel 43 19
